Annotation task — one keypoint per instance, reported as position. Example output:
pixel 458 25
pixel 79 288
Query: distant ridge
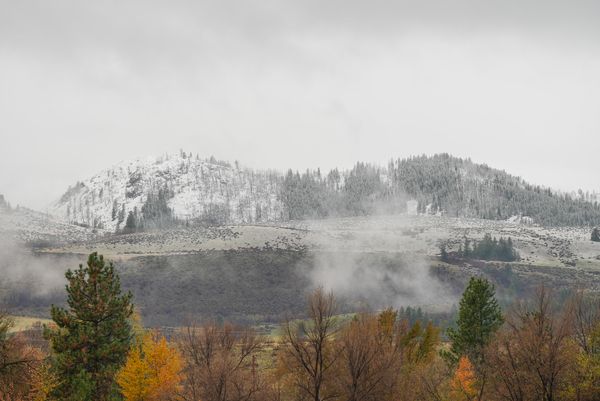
pixel 185 189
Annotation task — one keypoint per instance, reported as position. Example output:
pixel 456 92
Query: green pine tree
pixel 596 235
pixel 93 335
pixel 130 224
pixel 479 316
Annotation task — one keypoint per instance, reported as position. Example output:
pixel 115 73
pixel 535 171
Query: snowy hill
pixel 174 190
pixel 38 228
pixel 178 187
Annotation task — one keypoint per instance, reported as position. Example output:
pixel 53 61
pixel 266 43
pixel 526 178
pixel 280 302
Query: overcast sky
pixel 278 84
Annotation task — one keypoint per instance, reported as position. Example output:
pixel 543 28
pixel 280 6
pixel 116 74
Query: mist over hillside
pixel 383 250
pixel 232 242
pixel 183 189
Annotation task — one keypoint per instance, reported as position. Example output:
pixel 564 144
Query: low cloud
pixel 29 280
pixel 380 279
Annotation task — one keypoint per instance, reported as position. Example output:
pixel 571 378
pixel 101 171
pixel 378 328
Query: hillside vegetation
pixel 440 184
pixel 389 355
pixel 183 189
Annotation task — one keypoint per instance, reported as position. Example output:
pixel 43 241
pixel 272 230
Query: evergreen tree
pixel 115 210
pixel 93 334
pixel 479 316
pixel 596 234
pixel 490 249
pixel 130 224
pixel 121 215
pixel 3 203
pixel 156 211
pixel 443 253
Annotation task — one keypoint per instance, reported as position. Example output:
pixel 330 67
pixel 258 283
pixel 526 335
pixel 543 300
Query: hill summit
pixel 156 192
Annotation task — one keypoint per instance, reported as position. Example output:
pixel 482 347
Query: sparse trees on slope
pixel 463 188
pixel 156 212
pixel 93 335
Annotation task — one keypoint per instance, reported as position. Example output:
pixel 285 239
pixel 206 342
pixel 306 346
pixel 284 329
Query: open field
pixel 388 233
pixel 22 323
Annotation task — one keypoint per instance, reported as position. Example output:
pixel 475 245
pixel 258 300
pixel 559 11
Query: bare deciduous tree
pixel 362 365
pixel 20 364
pixel 309 353
pixel 586 315
pixel 531 359
pixel 220 363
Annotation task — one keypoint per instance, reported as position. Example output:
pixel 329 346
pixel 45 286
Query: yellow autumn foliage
pixel 463 383
pixel 151 372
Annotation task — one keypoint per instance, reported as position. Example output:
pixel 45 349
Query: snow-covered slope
pixel 157 192
pixel 38 228
pixel 194 188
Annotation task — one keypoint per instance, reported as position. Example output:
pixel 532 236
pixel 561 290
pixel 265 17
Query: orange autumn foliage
pixel 151 372
pixel 464 381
